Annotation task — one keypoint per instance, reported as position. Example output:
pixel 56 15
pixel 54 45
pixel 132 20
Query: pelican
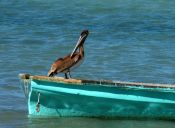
pixel 69 62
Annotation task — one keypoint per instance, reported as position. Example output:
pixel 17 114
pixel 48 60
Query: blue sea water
pixel 129 40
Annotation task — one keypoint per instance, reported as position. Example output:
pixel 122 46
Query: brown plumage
pixel 67 63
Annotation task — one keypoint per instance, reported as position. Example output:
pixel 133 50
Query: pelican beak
pixel 51 72
pixel 78 44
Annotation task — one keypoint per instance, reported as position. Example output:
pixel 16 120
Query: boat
pixel 60 97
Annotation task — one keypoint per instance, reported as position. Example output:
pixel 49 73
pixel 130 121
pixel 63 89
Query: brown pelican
pixel 67 63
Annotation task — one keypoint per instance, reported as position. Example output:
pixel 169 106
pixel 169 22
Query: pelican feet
pixel 66 75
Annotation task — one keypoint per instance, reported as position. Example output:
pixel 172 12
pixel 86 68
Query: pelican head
pixel 81 40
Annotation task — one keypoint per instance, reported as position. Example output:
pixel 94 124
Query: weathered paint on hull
pixel 60 99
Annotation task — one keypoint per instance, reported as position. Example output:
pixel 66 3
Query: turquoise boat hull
pixel 94 99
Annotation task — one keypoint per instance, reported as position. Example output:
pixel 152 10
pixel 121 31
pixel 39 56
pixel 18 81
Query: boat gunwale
pixel 96 82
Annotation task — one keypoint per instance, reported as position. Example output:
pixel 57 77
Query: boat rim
pixel 96 82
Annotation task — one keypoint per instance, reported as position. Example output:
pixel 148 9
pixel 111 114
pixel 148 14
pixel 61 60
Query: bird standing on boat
pixel 69 62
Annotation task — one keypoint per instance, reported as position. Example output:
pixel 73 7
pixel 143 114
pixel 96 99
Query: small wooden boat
pixel 56 96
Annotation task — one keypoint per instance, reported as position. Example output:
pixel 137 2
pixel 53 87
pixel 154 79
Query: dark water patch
pixel 10 88
pixel 13 119
pixel 93 122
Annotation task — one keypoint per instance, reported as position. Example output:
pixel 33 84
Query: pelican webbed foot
pixel 66 77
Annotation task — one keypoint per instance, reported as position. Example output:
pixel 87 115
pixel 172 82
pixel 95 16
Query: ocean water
pixel 129 40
